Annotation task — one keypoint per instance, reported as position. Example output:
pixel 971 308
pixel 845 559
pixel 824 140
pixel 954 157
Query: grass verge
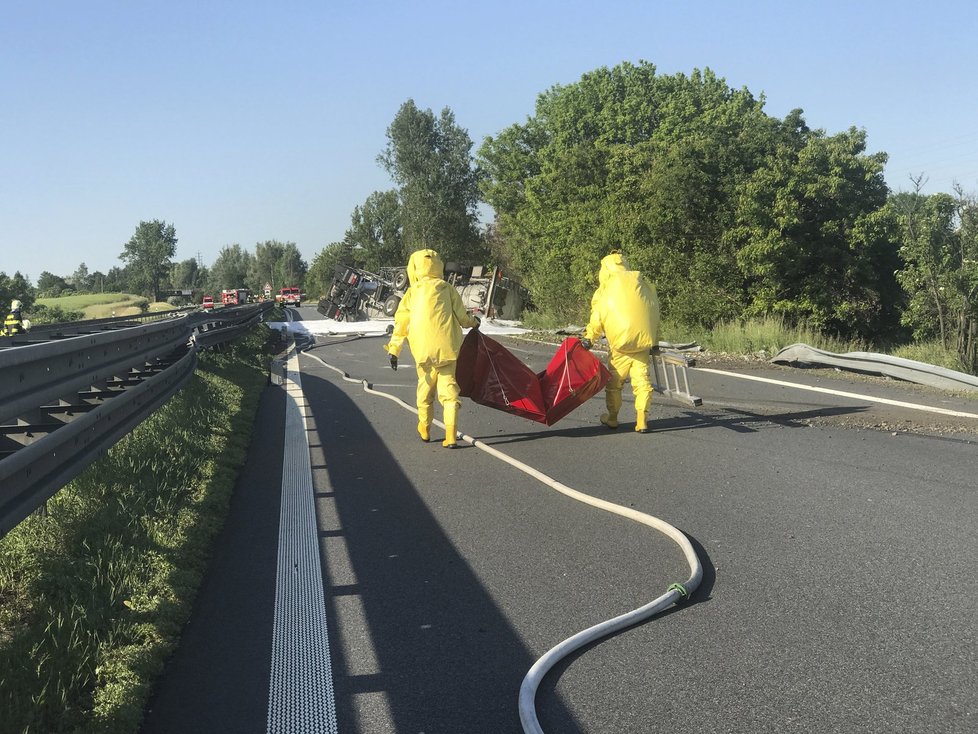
pixel 763 338
pixel 104 305
pixel 93 596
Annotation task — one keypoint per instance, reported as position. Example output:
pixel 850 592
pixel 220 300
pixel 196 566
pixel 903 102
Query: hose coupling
pixel 681 590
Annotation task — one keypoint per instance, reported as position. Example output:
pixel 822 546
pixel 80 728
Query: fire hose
pixel 676 592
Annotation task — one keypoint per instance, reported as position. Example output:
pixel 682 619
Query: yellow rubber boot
pixel 451 421
pixel 641 407
pixel 612 399
pixel 424 423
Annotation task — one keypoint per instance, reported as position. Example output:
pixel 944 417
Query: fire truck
pixel 290 296
pixel 234 296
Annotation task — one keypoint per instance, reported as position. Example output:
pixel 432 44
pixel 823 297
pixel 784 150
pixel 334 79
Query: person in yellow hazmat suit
pixel 625 308
pixel 431 317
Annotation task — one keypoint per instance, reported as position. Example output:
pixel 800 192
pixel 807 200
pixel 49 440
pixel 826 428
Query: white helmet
pixel 26 324
pixel 16 305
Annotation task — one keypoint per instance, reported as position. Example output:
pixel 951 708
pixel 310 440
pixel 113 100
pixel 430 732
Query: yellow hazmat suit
pixel 625 308
pixel 431 316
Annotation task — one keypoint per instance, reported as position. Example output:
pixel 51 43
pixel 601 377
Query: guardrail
pixel 65 399
pixel 879 364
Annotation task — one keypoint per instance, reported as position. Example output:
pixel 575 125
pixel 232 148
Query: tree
pixel 811 242
pixel 230 269
pixel 627 159
pixel 375 231
pixel 731 212
pixel 277 263
pixel 81 280
pixel 148 255
pixel 188 275
pixel 430 159
pixel 118 280
pixel 966 281
pixel 939 246
pixel 320 276
pixel 97 280
pixel 16 287
pixel 50 285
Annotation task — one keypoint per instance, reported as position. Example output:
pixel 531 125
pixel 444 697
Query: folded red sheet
pixel 491 375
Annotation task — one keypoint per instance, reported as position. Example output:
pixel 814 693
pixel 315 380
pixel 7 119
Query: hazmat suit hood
pixel 613 263
pixel 424 264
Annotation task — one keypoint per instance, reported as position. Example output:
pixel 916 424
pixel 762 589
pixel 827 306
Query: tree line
pixel 733 213
pixel 149 269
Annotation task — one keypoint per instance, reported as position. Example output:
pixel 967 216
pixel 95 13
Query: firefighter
pixel 14 323
pixel 625 308
pixel 431 316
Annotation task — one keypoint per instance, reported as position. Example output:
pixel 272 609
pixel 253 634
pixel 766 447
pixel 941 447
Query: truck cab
pixel 290 296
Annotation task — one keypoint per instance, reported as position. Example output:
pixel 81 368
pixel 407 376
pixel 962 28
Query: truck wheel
pixel 401 280
pixel 391 304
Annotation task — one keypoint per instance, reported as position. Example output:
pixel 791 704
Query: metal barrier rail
pixel 33 375
pixel 64 403
pixel 33 474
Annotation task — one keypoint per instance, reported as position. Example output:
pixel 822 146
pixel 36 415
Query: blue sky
pixel 240 122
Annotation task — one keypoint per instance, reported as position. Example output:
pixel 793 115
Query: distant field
pixel 103 305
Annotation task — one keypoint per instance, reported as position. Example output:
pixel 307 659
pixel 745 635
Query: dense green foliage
pixel 94 594
pixel 939 248
pixel 375 233
pixel 732 212
pixel 321 272
pixel 16 287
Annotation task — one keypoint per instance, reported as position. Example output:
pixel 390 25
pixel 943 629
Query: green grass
pixel 767 335
pixel 101 305
pixel 931 352
pixel 93 596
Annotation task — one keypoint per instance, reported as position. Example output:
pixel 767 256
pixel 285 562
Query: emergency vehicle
pixel 290 296
pixel 234 296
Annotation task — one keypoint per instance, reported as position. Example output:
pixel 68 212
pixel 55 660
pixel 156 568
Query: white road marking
pixel 842 393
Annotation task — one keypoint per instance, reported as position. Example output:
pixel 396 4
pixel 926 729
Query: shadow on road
pixel 740 421
pixel 447 659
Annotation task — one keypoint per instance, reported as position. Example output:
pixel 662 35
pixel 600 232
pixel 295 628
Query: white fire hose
pixel 675 593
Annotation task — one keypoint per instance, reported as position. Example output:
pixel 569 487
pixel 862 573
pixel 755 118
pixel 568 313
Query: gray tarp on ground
pixel 879 364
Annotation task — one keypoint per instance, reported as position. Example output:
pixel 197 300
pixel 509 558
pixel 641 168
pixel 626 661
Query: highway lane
pixel 838 592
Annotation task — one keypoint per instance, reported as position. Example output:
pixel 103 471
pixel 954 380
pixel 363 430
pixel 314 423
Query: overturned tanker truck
pixel 357 294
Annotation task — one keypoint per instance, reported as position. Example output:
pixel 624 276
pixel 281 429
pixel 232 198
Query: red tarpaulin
pixel 491 375
pixel 572 378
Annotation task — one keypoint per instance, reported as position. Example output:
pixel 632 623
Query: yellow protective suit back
pixel 431 314
pixel 625 307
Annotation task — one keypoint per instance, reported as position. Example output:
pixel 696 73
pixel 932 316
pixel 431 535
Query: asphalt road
pixel 837 537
